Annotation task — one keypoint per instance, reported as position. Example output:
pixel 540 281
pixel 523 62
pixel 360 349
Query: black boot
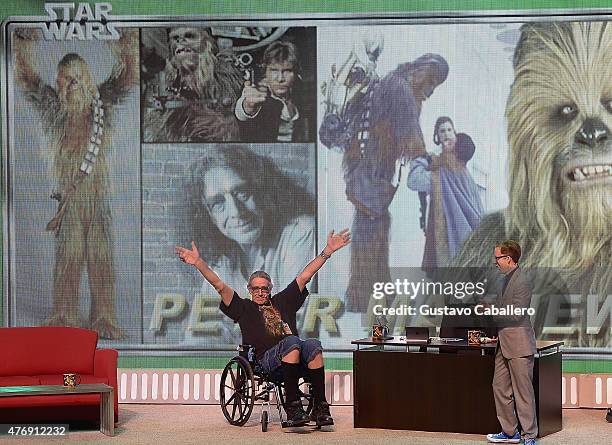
pixel 320 414
pixel 293 406
pixel 609 415
pixel 295 414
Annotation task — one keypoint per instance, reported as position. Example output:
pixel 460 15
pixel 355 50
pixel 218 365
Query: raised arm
pixel 125 71
pixel 23 42
pixel 41 95
pixel 419 177
pixel 193 257
pixel 335 241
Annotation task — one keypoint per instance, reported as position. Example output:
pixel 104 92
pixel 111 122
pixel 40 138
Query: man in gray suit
pixel 516 346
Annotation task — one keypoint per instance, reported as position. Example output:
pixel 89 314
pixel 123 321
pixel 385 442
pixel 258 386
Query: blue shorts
pixel 308 349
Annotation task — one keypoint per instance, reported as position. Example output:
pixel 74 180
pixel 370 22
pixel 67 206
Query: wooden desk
pixel 107 410
pixel 431 391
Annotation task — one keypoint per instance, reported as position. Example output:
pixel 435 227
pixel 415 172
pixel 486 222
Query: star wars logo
pixel 78 21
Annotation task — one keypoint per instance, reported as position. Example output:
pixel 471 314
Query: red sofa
pixel 40 356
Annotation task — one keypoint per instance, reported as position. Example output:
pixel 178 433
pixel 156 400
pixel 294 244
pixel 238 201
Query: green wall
pixel 247 7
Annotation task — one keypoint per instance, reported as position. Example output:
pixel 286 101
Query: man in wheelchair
pixel 269 324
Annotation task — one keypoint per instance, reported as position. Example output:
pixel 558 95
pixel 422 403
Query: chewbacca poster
pixel 442 73
pixel 559 114
pixel 103 138
pixel 75 176
pixel 222 84
pixel 535 101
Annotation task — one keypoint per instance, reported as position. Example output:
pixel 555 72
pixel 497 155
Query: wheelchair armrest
pixel 248 352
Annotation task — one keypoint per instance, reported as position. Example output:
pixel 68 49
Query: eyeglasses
pixel 261 288
pixel 497 258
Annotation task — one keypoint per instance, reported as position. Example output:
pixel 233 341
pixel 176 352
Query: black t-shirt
pixel 246 313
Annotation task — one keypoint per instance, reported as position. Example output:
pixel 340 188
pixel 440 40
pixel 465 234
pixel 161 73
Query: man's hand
pixel 253 98
pixel 336 241
pixel 188 256
pixel 193 257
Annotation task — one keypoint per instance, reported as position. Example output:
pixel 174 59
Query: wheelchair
pixel 243 383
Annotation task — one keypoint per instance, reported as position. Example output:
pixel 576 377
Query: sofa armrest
pixel 105 365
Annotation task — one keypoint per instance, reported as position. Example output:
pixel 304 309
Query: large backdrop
pixel 430 141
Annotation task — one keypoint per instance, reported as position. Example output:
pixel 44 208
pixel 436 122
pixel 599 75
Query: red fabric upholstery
pixel 58 379
pixel 55 349
pixel 19 380
pixel 40 356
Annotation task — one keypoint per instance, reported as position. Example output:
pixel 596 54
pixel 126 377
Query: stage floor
pixel 205 425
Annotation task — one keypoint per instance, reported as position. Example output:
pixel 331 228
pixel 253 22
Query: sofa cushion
pixel 47 350
pixel 58 379
pixel 19 380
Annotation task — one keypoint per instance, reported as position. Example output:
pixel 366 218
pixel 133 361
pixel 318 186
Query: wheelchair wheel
pixel 264 421
pixel 237 391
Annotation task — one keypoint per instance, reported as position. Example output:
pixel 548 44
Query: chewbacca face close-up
pixel 559 129
pixel 192 57
pixel 186 45
pixel 74 83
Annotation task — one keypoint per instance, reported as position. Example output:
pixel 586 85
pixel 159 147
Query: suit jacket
pixel 516 336
pixel 264 126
